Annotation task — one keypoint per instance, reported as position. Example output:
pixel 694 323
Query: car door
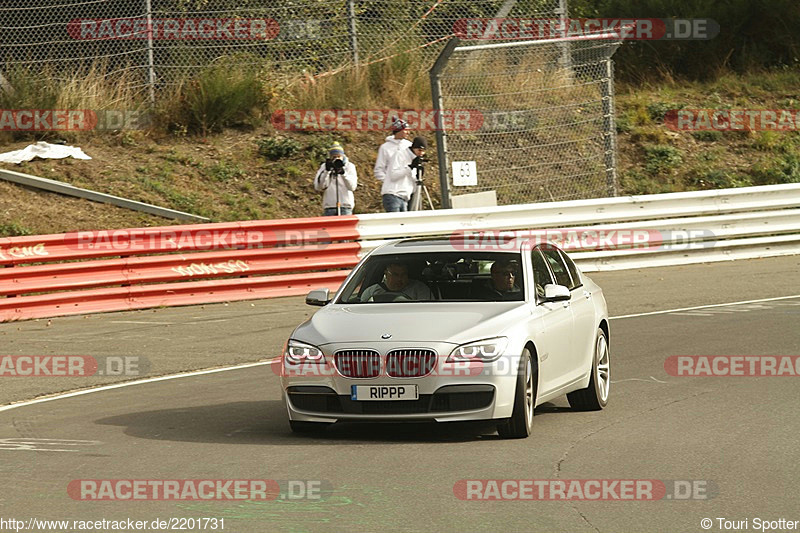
pixel 554 336
pixel 582 307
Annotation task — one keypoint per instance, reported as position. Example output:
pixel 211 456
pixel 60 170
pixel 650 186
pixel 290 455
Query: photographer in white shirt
pixel 338 179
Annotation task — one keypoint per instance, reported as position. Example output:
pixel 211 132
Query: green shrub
pixel 784 169
pixel 220 96
pixel 278 147
pixel 719 179
pixel 707 136
pixel 624 124
pixel 14 229
pixel 661 158
pixel 225 171
pixel 657 110
pixel 637 182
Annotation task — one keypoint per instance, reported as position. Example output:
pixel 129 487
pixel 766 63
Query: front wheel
pixel 520 425
pixel 595 396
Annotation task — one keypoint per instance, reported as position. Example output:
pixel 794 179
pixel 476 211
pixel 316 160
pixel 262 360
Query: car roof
pixel 490 242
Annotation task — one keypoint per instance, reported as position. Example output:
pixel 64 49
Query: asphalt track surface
pixel 736 436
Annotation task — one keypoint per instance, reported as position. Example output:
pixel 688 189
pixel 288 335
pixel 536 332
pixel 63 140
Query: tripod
pixel 419 188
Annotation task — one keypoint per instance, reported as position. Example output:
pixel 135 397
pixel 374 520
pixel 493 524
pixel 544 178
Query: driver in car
pixel 503 283
pixel 396 282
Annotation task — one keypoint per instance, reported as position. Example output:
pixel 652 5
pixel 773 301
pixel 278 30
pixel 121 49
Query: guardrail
pixel 94 271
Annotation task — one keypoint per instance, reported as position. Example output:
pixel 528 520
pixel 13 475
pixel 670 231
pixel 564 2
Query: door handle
pixel 587 294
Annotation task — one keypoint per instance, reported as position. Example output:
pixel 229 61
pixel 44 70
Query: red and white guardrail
pixel 113 270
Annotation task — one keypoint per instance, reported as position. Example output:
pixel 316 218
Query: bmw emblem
pixel 386 336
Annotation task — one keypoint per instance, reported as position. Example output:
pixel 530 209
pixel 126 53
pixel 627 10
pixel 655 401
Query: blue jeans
pixel 394 204
pixel 331 211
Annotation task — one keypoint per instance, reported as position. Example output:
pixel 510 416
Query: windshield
pixel 436 277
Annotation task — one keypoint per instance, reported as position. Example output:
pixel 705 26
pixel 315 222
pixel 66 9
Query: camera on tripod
pixel 334 165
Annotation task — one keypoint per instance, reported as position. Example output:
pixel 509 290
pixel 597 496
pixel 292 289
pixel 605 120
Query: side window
pixel 573 271
pixel 541 274
pixel 558 266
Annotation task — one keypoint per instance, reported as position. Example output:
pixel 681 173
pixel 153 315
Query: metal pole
pixel 438 105
pixel 566 57
pixel 610 127
pixel 150 60
pixel 351 14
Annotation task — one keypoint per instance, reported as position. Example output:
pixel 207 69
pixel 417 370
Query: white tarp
pixel 43 150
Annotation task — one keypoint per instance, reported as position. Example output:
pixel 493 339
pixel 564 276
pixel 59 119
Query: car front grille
pixel 358 363
pixel 410 363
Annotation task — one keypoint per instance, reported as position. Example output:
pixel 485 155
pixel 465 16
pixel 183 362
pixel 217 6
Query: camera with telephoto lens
pixel 334 165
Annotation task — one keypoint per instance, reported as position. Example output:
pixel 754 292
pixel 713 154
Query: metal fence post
pixel 610 126
pixel 150 60
pixel 566 57
pixel 351 15
pixel 438 105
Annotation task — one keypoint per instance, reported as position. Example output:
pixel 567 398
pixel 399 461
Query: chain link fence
pixel 314 36
pixel 548 129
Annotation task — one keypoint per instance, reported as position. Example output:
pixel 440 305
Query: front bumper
pixel 320 393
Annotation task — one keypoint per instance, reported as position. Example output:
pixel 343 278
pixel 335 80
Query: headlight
pixel 300 352
pixel 486 350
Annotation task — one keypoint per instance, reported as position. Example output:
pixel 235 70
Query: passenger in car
pixel 503 284
pixel 397 285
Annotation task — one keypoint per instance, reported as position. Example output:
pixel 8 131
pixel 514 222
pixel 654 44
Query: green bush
pixel 784 169
pixel 657 110
pixel 661 158
pixel 225 171
pixel 220 96
pixel 14 229
pixel 637 182
pixel 719 179
pixel 707 136
pixel 274 148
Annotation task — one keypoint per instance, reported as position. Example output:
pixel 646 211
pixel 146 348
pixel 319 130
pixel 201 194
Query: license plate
pixel 384 392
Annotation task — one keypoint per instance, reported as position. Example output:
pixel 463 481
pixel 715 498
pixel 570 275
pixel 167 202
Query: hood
pixel 455 323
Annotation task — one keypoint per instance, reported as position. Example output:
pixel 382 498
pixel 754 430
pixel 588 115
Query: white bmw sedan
pixel 436 330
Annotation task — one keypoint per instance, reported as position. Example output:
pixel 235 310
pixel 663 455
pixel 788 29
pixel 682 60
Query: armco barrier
pixel 95 271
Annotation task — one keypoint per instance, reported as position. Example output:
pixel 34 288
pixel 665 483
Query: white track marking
pixel 263 363
pixel 704 307
pixel 130 384
pixel 651 380
pixel 141 322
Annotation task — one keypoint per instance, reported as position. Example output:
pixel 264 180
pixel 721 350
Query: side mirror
pixel 318 297
pixel 555 293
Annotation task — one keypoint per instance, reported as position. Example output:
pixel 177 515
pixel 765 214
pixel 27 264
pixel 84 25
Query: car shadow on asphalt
pixel 266 423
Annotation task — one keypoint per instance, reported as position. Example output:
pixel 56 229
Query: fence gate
pixel 547 129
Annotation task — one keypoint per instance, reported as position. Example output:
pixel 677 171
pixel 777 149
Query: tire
pixel 308 427
pixel 520 425
pixel 595 396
